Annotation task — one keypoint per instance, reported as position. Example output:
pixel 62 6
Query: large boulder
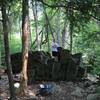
pixel 36 58
pixel 95 96
pixel 16 62
pixel 41 66
pixel 78 92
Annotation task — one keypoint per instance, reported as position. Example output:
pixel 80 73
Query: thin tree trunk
pixel 36 23
pixel 0 49
pixel 48 39
pixel 25 42
pixel 98 22
pixel 71 37
pixel 58 27
pixel 47 28
pixel 47 19
pixel 65 36
pixel 41 40
pixel 7 52
pixel 43 28
pixel 71 26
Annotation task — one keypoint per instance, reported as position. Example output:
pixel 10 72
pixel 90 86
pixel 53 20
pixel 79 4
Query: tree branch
pixel 52 6
pixel 96 18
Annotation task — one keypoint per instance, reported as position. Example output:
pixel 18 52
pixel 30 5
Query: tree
pixel 58 27
pixel 65 34
pixel 35 13
pixel 7 52
pixel 25 35
pixel 46 27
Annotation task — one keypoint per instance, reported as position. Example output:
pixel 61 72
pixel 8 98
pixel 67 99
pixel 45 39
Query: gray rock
pixel 91 89
pixel 79 92
pixel 97 89
pixel 95 96
pixel 70 83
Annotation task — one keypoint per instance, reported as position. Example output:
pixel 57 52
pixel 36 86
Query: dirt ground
pixel 61 91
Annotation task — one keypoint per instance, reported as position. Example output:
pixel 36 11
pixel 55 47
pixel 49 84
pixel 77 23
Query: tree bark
pixel 7 52
pixel 25 42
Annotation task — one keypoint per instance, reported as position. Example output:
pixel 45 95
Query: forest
pixel 49 50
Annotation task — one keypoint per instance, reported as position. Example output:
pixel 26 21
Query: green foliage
pixel 15 43
pixel 78 13
pixel 86 37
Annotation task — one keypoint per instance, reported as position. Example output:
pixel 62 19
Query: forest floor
pixel 61 91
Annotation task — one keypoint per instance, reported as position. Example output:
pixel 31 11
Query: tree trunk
pixel 0 49
pixel 25 34
pixel 7 52
pixel 65 35
pixel 58 27
pixel 70 17
pixel 47 27
pixel 98 13
pixel 71 36
pixel 36 24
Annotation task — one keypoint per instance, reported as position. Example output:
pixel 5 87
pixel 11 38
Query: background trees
pixel 74 23
pixel 7 52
